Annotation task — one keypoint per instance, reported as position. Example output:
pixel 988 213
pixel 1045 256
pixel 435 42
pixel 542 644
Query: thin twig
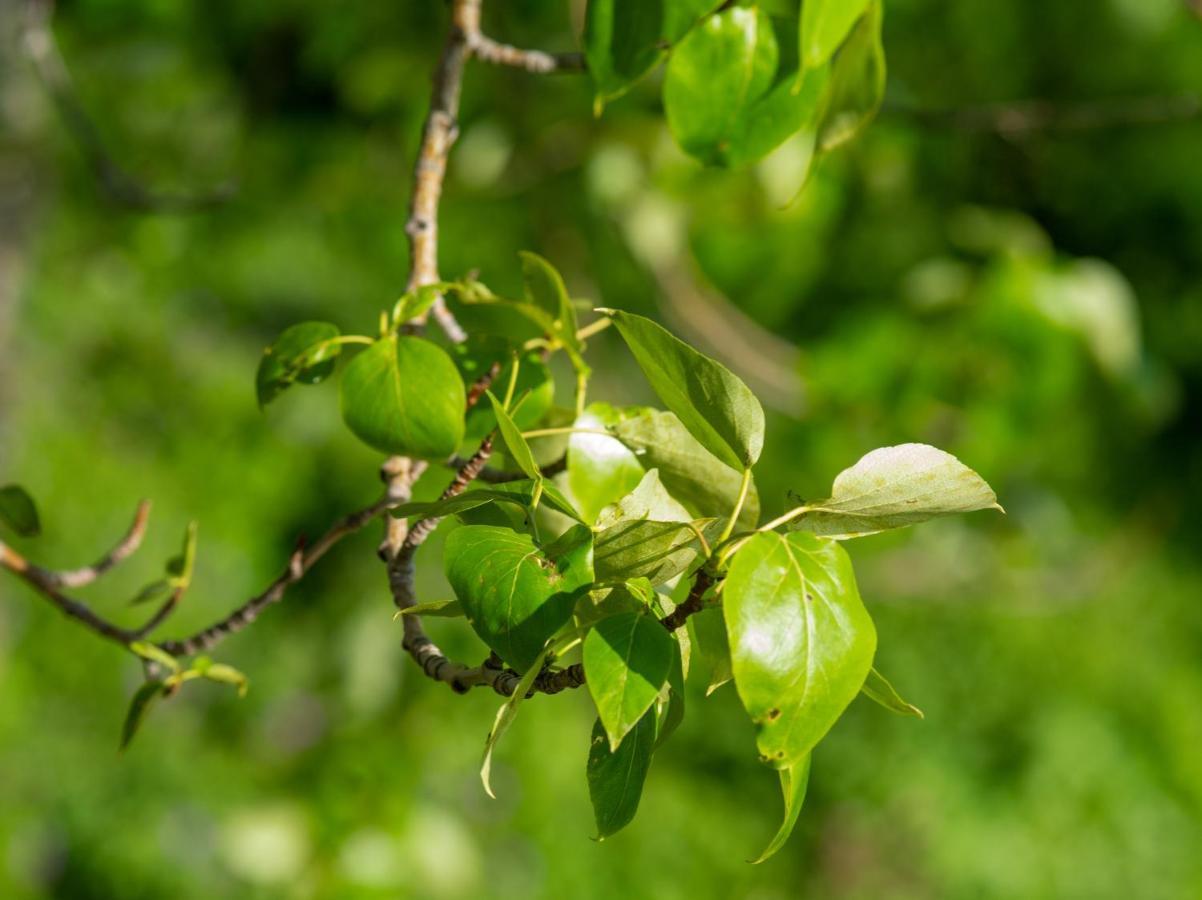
pixel 499 476
pixel 126 547
pixel 537 62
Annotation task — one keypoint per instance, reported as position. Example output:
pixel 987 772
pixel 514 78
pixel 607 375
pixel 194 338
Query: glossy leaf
pixel 726 97
pixel 648 500
pixel 857 83
pixel 519 450
pixel 894 487
pixel 825 24
pixel 627 659
pixel 303 353
pixel 877 687
pixel 505 716
pixel 716 407
pixel 801 642
pixel 601 470
pixel 692 475
pixel 793 782
pixel 616 777
pixel 626 39
pixel 404 395
pixel 139 706
pixel 18 511
pixel 516 597
pixel 417 302
pixel 708 629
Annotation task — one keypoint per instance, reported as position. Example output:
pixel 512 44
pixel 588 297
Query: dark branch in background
pixel 1025 117
pixel 119 184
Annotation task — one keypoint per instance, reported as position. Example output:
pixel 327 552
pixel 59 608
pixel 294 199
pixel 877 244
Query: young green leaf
pixel 648 500
pixel 304 353
pixel 708 630
pixel 18 511
pixel 801 642
pixel 615 777
pixel 857 82
pixel 877 687
pixel 404 395
pixel 627 659
pixel 437 609
pixel 793 782
pixel 418 302
pixel 179 567
pixel 505 716
pixel 512 435
pixel 716 407
pixel 691 474
pixel 626 39
pixel 545 289
pixel 533 384
pixel 156 654
pixel 224 674
pixel 824 26
pixel 893 487
pixel 139 706
pixel 726 100
pixel 601 470
pixel 515 596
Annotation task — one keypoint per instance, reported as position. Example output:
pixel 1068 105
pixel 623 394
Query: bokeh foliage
pixel 1030 303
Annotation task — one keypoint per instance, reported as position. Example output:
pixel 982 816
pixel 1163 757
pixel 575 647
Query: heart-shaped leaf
pixel 18 511
pixel 515 595
pixel 717 408
pixel 801 642
pixel 627 659
pixel 304 353
pixel 615 777
pixel 893 487
pixel 404 395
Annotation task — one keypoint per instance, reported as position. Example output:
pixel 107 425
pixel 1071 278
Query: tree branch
pixel 537 62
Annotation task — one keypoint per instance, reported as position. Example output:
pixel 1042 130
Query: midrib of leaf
pixel 394 365
pixel 513 587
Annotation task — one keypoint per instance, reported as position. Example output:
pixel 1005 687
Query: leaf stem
pixel 551 432
pixel 593 328
pixel 744 487
pixel 787 517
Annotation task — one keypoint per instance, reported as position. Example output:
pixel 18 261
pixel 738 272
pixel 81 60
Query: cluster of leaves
pixel 653 508
pixel 743 77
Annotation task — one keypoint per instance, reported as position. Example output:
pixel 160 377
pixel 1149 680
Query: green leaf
pixel 179 568
pixel 857 83
pixel 801 642
pixel 893 487
pixel 153 591
pixel 404 395
pixel 878 688
pixel 18 511
pixel 519 493
pixel 545 289
pixel 224 674
pixel 627 659
pixel 437 609
pixel 716 407
pixel 671 702
pixel 824 26
pixel 418 302
pixel 154 653
pixel 691 474
pixel 505 716
pixel 139 706
pixel 516 444
pixel 534 383
pixel 516 597
pixel 601 470
pixel 626 39
pixel 725 96
pixel 708 630
pixel 793 782
pixel 648 500
pixel 551 496
pixel 615 777
pixel 303 353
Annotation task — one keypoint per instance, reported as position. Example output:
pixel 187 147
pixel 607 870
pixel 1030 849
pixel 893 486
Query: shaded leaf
pixel 893 487
pixel 515 596
pixel 857 83
pixel 615 777
pixel 627 659
pixel 519 493
pixel 716 407
pixel 801 642
pixel 139 706
pixel 708 629
pixel 545 289
pixel 825 24
pixel 793 782
pixel 533 384
pixel 877 687
pixel 670 706
pixel 18 511
pixel 404 395
pixel 302 353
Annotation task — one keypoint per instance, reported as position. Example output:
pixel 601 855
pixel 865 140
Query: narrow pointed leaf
pixel 18 511
pixel 894 487
pixel 404 395
pixel 437 609
pixel 301 354
pixel 801 642
pixel 716 407
pixel 616 777
pixel 518 493
pixel 139 706
pixel 877 687
pixel 627 659
pixel 505 716
pixel 793 783
pixel 512 435
pixel 546 290
pixel 857 83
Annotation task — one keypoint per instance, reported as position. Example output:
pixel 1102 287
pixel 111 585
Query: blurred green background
pixel 1027 298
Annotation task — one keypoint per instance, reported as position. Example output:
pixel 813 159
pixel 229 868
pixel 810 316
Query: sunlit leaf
pixel 801 642
pixel 717 408
pixel 404 395
pixel 877 687
pixel 304 353
pixel 601 470
pixel 793 782
pixel 519 450
pixel 857 82
pixel 825 24
pixel 893 487
pixel 627 659
pixel 505 716
pixel 156 654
